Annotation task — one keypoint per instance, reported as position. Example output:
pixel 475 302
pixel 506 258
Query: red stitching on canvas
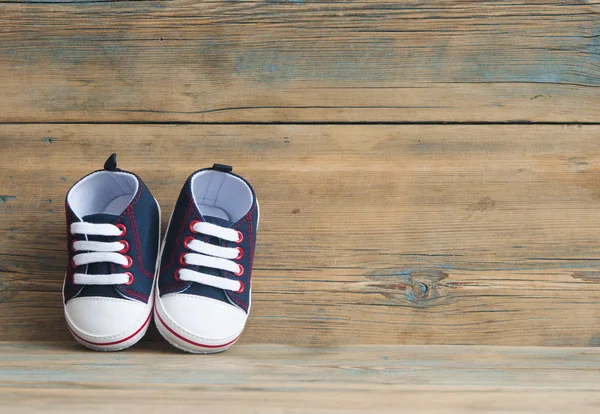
pixel 251 242
pixel 129 212
pixel 137 294
pixel 172 288
pixel 248 219
pixel 241 303
pixel 137 197
pixel 70 288
pixel 138 244
pixel 178 239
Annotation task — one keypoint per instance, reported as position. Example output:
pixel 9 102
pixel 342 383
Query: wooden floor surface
pixel 154 378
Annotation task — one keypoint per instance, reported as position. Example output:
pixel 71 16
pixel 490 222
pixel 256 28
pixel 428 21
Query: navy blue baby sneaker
pixel 113 235
pixel 203 295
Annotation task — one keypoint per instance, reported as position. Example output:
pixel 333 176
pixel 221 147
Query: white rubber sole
pixel 169 331
pixel 114 345
pixel 132 335
pixel 185 343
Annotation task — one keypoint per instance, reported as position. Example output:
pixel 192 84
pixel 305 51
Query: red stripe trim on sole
pixel 190 341
pixel 115 342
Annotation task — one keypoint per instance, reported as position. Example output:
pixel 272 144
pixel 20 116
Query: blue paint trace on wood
pixel 418 286
pixel 5 198
pixel 595 48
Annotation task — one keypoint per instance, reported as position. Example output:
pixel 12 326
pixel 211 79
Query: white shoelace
pixel 98 252
pixel 216 257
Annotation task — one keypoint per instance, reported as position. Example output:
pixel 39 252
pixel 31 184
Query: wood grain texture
pixel 369 234
pixel 300 61
pixel 58 378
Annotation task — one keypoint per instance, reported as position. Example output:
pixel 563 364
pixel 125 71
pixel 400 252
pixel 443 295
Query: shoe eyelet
pixel 73 245
pixel 73 263
pixel 176 275
pixel 187 241
pixel 192 224
pixel 239 272
pixel 241 289
pixel 240 237
pixel 125 248
pixel 129 262
pixel 182 260
pixel 240 253
pixel 131 279
pixel 123 229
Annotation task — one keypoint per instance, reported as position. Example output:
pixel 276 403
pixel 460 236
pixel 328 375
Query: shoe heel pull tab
pixel 222 167
pixel 111 163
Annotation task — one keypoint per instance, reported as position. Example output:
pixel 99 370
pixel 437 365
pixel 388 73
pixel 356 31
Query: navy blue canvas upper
pixel 184 214
pixel 141 219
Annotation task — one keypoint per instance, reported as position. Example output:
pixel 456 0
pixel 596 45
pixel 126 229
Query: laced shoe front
pixel 204 285
pixel 113 231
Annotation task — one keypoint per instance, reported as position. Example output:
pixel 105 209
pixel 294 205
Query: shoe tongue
pixel 218 221
pixel 101 218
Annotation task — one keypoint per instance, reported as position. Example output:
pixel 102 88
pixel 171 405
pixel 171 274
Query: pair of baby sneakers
pixel 197 282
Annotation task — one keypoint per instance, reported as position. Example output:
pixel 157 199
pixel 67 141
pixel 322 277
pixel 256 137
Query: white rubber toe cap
pixel 206 320
pixel 104 318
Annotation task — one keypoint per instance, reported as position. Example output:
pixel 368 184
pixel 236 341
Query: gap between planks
pixel 307 123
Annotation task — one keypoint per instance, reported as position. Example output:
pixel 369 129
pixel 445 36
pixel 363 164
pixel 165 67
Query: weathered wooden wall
pixel 300 60
pixel 369 234
pixel 478 233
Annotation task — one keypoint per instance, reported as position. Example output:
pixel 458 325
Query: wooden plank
pixel 300 61
pixel 58 377
pixel 369 234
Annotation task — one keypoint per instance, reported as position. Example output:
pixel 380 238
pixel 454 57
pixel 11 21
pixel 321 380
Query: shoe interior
pixel 108 192
pixel 221 195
